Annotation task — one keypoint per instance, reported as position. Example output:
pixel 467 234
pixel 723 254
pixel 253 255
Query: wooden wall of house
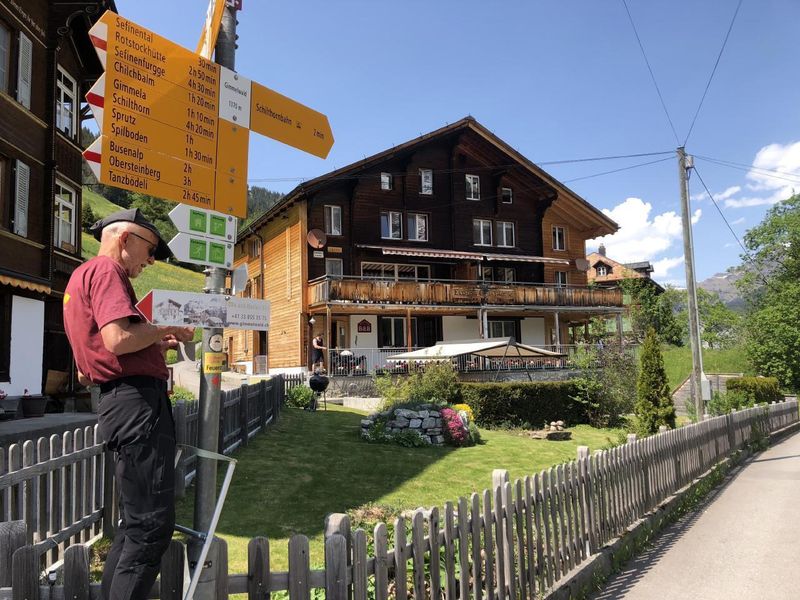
pixel 284 275
pixel 450 214
pixel 576 236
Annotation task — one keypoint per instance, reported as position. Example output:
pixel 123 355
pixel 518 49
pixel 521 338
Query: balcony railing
pixel 360 290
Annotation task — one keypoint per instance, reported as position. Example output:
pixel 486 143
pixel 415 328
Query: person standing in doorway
pixel 317 356
pixel 116 348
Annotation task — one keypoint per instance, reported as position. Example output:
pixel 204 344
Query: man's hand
pixel 83 380
pixel 181 334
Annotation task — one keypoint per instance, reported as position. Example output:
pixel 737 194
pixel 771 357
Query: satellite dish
pixel 317 239
pixel 581 264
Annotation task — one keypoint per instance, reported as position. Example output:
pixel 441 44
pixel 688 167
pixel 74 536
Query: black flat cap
pixel 132 215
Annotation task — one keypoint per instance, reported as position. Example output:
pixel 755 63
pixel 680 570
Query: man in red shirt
pixel 117 349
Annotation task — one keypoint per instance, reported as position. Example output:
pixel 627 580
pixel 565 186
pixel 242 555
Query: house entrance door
pixel 340 333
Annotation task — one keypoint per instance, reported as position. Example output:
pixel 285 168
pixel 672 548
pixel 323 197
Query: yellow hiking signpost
pixel 176 126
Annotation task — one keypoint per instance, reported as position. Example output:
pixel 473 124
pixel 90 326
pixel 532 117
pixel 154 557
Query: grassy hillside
pixel 161 275
pixel 100 206
pixel 678 362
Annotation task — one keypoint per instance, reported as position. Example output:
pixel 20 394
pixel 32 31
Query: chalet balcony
pixel 454 293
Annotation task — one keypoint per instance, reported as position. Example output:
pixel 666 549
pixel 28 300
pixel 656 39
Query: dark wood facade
pixel 48 66
pixel 368 275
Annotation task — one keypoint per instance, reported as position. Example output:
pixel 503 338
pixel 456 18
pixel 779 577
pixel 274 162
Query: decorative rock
pixel 415 423
pixel 401 422
pixel 438 440
pixel 435 431
pixel 560 423
pixel 423 414
pixel 428 423
pixel 553 427
pixel 559 435
pixel 408 414
pixel 434 413
pixel 438 422
pixel 366 422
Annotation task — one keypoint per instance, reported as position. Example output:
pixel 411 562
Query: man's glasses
pixel 151 251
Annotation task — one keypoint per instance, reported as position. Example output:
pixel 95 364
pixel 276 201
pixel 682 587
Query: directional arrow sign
pixel 168 307
pixel 201 250
pixel 207 223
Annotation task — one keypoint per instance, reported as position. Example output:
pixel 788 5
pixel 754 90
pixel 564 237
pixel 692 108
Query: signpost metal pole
pixel 210 382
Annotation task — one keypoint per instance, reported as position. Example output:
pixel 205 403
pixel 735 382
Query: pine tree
pixel 653 399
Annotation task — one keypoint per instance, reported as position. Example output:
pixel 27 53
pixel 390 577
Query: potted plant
pixel 33 406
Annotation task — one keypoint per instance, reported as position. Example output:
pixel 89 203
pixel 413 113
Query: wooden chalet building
pixel 450 236
pixel 607 272
pixel 46 66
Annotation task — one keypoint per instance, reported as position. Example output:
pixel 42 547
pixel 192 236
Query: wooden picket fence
pixel 516 540
pixel 57 485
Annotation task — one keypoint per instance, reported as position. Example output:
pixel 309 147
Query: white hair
pixel 115 229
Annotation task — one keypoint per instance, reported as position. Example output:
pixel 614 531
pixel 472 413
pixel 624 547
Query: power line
pixel 730 163
pixel 793 178
pixel 644 164
pixel 714 70
pixel 650 69
pixel 747 254
pixel 467 169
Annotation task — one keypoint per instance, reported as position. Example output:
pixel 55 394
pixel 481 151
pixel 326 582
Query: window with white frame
pixel 64 230
pixel 561 278
pixel 394 271
pixel 386 181
pixel 505 234
pixel 473 186
pixel 254 249
pixel 5 56
pixel 601 270
pixel 559 238
pixel 334 267
pixel 504 274
pixel 502 329
pixel 481 232
pixel 426 181
pixel 506 195
pixel 391 332
pixel 66 103
pixel 417 227
pixel 391 225
pixel 333 220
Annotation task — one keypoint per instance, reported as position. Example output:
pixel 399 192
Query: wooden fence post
pixel 336 563
pixel 25 574
pixel 221 567
pixel 258 569
pixel 223 398
pixel 76 573
pixel 731 430
pixel 262 404
pixel 12 538
pixel 244 401
pixel 299 585
pixel 109 495
pixel 172 565
pixel 585 466
pixel 339 523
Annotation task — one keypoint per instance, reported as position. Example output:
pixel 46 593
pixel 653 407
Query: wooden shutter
pixel 21 199
pixel 24 70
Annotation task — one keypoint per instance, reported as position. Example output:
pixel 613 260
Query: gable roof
pixel 603 224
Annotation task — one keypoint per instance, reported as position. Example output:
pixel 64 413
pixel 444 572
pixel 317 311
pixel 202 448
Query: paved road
pixel 741 544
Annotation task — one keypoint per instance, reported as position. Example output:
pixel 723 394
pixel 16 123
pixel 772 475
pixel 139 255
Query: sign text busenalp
pixel 168 307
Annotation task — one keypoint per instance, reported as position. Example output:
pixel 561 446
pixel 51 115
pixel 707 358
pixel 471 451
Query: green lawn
pixel 678 362
pixel 313 464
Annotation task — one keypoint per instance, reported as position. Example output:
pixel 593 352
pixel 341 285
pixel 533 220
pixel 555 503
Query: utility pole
pixel 697 376
pixel 210 382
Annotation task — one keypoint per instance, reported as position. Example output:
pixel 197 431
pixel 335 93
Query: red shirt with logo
pixel 99 292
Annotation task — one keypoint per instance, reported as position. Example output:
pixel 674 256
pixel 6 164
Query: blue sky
pixel 556 80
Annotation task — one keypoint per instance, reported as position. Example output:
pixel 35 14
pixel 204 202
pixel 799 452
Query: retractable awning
pixel 426 252
pixel 25 285
pixel 534 259
pixel 493 348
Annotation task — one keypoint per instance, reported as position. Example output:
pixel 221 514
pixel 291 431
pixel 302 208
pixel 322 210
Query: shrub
pixel 654 405
pixel 456 432
pixel 722 404
pixel 410 438
pixel 181 393
pixel 300 396
pixel 523 404
pixel 171 357
pixel 437 384
pixel 607 385
pixel 474 433
pixel 756 389
pixel 466 408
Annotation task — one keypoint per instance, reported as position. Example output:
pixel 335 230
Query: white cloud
pixel 770 187
pixel 739 221
pixel 731 191
pixel 642 237
pixel 663 266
